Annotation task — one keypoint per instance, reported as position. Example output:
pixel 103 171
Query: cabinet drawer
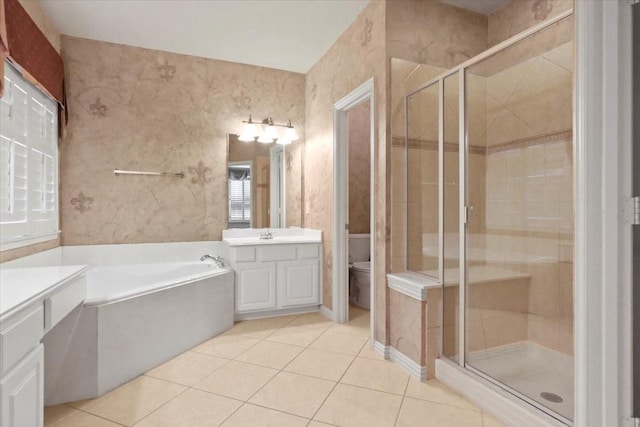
pixel 309 251
pixel 277 253
pixel 58 305
pixel 246 254
pixel 19 338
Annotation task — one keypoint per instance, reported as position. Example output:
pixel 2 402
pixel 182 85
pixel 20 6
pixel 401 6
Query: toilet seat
pixel 362 266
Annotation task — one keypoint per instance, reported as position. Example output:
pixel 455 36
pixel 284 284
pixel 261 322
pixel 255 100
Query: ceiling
pixel 284 34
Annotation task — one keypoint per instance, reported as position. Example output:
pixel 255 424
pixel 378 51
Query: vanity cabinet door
pixel 22 392
pixel 298 282
pixel 255 286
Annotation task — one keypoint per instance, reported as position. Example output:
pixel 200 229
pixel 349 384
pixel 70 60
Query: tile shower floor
pixel 299 370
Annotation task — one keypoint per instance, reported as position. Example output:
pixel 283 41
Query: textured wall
pixel 354 58
pixel 359 123
pixel 518 15
pixel 140 109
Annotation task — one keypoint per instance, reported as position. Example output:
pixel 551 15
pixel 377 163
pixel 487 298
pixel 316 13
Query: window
pixel 240 193
pixel 28 164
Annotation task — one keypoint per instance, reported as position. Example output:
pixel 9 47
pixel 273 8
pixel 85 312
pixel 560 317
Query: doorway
pixel 354 107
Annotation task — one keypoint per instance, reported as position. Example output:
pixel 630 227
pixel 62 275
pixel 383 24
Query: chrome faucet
pixel 266 235
pixel 218 260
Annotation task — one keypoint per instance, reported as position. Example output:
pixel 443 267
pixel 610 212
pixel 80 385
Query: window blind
pixel 240 199
pixel 28 162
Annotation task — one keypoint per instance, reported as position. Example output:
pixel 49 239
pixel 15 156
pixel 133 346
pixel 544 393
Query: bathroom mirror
pixel 264 184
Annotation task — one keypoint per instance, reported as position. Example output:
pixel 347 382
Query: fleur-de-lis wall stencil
pixel 541 9
pixel 365 36
pixel 98 109
pixel 200 174
pixel 166 71
pixel 314 91
pixel 82 203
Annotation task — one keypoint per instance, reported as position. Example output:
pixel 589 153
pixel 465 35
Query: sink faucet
pixel 266 235
pixel 218 260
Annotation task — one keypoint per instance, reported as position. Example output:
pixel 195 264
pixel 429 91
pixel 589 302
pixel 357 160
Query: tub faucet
pixel 218 260
pixel 266 235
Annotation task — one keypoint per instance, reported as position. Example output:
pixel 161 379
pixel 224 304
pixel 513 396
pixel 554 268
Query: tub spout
pixel 218 260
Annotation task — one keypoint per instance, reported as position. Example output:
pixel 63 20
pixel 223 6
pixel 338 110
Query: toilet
pixel 360 270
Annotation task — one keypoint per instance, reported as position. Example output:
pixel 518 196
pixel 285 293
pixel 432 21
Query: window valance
pixel 22 43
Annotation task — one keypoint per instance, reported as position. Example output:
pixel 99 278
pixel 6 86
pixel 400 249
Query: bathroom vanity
pixel 276 272
pixel 32 301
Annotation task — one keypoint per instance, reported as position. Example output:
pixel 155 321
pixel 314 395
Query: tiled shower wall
pixel 140 109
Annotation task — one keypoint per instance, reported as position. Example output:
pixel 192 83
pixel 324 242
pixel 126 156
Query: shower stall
pixel 490 213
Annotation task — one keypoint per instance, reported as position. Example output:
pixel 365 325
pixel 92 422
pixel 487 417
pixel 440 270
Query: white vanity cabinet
pixel 32 301
pixel 273 279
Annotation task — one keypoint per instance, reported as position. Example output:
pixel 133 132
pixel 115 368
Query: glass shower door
pixel 519 229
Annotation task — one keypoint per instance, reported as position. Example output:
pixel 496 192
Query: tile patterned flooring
pixel 301 370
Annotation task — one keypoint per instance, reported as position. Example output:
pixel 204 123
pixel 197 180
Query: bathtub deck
pixel 286 371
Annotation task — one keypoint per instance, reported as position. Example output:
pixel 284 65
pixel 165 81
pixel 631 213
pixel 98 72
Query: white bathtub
pixel 107 284
pixel 145 304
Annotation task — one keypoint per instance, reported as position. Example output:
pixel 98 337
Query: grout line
pixel 406 387
pixel 337 382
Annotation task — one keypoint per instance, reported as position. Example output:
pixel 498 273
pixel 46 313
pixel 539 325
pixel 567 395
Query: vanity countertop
pixel 280 236
pixel 21 286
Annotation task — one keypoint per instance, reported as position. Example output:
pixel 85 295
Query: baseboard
pixel 327 313
pixel 381 348
pixel 491 399
pixel 274 313
pixel 412 368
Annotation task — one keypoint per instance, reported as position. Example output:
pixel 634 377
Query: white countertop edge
pixel 44 293
pixel 411 284
pixel 243 241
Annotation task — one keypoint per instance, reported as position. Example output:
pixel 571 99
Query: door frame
pixel 340 271
pixel 277 175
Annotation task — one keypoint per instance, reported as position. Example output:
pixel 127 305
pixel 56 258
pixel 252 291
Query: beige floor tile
pixel 415 412
pixel 347 328
pixel 489 421
pixel 435 391
pixel 340 343
pixel 381 375
pixel 270 354
pixel 295 335
pixel 294 394
pixel 257 416
pixel 227 346
pixel 193 408
pixel 369 353
pixel 132 401
pixel 318 424
pixel 312 320
pixel 54 413
pixel 82 419
pixel 349 406
pixel 326 365
pixel 260 328
pixel 188 368
pixel 237 380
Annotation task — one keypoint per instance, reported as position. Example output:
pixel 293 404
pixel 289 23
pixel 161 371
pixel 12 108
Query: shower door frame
pixel 463 147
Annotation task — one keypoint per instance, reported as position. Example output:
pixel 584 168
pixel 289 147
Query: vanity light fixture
pixel 269 134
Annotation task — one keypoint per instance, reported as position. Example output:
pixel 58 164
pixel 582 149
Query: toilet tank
pixel 359 247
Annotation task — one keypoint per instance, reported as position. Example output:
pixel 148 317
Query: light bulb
pixel 283 141
pixel 271 132
pixel 291 133
pixel 265 139
pixel 249 132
